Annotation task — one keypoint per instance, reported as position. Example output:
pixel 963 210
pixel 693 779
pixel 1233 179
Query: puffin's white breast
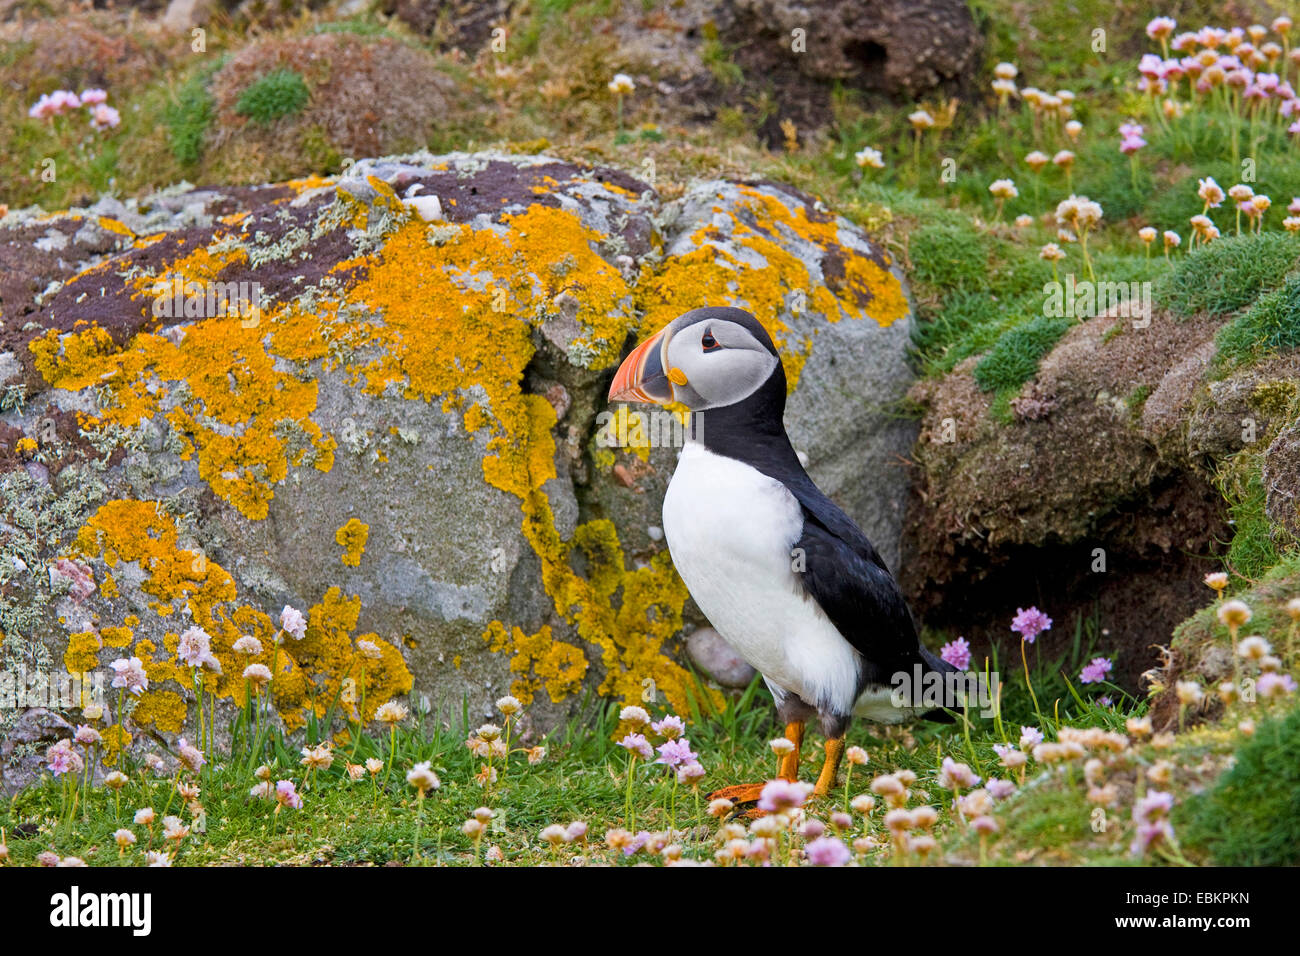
pixel 731 531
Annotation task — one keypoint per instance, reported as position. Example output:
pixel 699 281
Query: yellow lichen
pixel 82 653
pixel 308 672
pixel 352 538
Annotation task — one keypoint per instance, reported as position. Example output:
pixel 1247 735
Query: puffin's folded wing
pixel 853 587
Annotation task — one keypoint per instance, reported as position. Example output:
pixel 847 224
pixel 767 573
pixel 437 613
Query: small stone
pixel 713 655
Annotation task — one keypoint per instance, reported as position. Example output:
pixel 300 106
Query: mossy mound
pixel 328 97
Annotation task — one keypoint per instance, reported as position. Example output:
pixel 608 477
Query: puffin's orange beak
pixel 641 377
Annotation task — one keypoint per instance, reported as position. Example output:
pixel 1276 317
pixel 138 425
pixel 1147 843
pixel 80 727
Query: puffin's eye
pixel 709 343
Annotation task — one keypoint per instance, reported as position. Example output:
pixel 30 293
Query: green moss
pixel 363 28
pixel 189 115
pixel 1229 274
pixel 1014 359
pixel 1136 399
pixel 1251 817
pixel 279 93
pixel 1252 551
pixel 720 63
pixel 1272 324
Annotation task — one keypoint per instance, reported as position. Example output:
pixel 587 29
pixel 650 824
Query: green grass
pixel 1269 326
pixel 1229 273
pixel 279 93
pixel 1251 817
pixel 1252 550
pixel 373 821
pixel 189 116
pixel 1014 358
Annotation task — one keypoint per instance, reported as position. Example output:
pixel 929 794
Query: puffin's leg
pixel 789 770
pixel 831 766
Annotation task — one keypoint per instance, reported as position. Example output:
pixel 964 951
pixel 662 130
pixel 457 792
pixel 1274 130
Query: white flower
pixel 634 715
pixel 194 649
pixel 1003 189
pixel 293 622
pixel 422 778
pixel 867 156
pixel 247 645
pixel 621 84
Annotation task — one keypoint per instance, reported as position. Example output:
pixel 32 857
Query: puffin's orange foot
pixel 745 797
pixel 739 793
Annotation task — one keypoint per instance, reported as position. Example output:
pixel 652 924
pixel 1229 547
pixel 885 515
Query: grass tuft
pixel 279 93
pixel 1251 817
pixel 1229 274
pixel 1014 359
pixel 1271 325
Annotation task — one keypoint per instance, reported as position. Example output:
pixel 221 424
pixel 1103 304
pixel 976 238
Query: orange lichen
pixel 163 710
pixel 234 401
pixel 114 740
pixel 82 653
pixel 352 538
pixel 307 671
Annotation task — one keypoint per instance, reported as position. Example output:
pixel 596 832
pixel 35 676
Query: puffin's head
pixel 704 359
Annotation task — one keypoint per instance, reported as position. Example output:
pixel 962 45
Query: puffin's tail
pixel 943 667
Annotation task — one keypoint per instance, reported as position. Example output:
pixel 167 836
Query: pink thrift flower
pixel 61 759
pixel 781 795
pixel 827 851
pixel 1161 27
pixel 690 773
pixel 1030 623
pixel 674 753
pixel 1096 671
pixel 670 727
pixel 957 653
pixel 1000 789
pixel 637 744
pixel 1030 737
pixel 287 795
pixel 293 622
pixel 105 117
pixel 194 649
pixel 1131 144
pixel 955 776
pixel 190 755
pixel 93 97
pixel 1274 685
pixel 130 675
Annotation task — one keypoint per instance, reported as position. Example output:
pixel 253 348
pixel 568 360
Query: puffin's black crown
pixel 729 314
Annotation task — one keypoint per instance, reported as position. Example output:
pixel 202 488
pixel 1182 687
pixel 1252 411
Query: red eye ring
pixel 709 343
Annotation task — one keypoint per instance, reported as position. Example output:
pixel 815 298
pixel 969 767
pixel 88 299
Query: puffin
pixel 788 580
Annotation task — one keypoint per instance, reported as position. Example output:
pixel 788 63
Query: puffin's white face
pixel 704 359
